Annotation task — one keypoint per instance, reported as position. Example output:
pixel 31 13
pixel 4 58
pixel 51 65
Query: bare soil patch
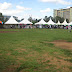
pixel 21 50
pixel 21 58
pixel 63 44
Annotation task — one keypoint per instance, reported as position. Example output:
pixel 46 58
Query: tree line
pixel 46 19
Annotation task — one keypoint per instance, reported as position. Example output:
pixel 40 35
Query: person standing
pixel 69 28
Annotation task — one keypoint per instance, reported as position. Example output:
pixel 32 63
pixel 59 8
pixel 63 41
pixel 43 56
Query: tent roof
pixel 58 23
pixel 11 21
pixel 65 23
pixel 25 21
pixel 70 23
pixel 50 22
pixel 41 22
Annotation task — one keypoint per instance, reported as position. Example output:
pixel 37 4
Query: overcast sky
pixel 34 8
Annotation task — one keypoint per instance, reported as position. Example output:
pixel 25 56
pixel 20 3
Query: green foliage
pixel 28 65
pixel 67 52
pixel 67 20
pixel 0 14
pixel 61 19
pixel 46 19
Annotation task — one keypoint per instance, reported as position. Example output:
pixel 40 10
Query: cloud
pixel 10 12
pixel 68 6
pixel 5 5
pixel 6 9
pixel 22 8
pixel 48 0
pixel 20 16
pixel 46 10
pixel 64 2
pixel 25 15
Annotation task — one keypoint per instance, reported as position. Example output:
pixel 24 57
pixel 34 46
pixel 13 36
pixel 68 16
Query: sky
pixel 34 8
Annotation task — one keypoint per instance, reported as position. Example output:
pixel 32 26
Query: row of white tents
pixel 13 21
pixel 50 22
pixel 25 21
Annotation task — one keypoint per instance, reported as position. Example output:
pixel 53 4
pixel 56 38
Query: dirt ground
pixel 63 44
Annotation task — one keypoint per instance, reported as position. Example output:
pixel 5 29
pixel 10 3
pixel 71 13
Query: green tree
pixel 62 20
pixel 46 19
pixel 0 14
pixel 67 20
pixel 30 19
pixel 1 17
pixel 57 18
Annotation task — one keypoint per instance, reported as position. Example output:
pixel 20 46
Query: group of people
pixel 55 26
pixel 44 26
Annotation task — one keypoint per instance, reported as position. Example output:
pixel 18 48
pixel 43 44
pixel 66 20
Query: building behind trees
pixel 65 13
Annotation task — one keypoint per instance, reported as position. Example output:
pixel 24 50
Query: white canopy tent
pixel 58 23
pixel 41 22
pixel 70 23
pixel 25 21
pixel 50 22
pixel 11 21
pixel 65 23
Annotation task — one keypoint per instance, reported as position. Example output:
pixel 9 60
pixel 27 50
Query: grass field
pixel 33 50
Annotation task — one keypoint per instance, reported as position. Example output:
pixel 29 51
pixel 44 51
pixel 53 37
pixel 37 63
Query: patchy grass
pixel 70 60
pixel 33 50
